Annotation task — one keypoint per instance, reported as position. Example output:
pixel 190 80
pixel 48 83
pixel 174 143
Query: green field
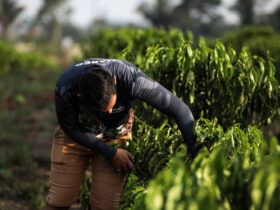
pixel 235 97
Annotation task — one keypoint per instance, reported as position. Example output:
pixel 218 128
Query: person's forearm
pixel 88 140
pixel 184 119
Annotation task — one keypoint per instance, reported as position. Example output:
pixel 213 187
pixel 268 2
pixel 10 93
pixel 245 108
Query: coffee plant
pixel 232 95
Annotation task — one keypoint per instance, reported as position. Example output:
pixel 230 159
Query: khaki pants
pixel 69 161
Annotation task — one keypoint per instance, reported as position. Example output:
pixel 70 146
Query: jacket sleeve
pixel 67 116
pixel 156 95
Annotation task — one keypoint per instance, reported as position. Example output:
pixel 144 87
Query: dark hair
pixel 96 87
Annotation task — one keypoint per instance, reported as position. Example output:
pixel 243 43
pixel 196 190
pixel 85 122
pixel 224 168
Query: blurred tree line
pixel 202 17
pixel 50 23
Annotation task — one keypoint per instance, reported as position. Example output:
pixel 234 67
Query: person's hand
pixel 123 160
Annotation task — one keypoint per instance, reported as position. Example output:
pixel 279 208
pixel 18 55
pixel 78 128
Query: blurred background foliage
pixel 182 41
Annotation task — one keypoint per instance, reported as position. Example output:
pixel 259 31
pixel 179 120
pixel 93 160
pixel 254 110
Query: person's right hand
pixel 123 160
pixel 195 150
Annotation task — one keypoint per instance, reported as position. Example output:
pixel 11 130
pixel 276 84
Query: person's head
pixel 98 89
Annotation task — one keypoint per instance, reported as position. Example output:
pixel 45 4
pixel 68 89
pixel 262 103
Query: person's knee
pixel 51 207
pixel 61 198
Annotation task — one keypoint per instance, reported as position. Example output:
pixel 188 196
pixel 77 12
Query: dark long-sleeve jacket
pixel 83 125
